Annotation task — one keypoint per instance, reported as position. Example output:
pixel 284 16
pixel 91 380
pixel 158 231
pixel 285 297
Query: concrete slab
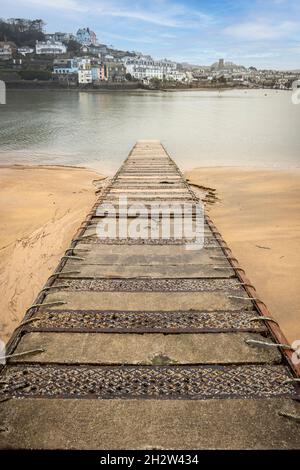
pixel 100 270
pixel 159 254
pixel 149 177
pixel 152 349
pixel 149 162
pixel 149 165
pixel 143 227
pixel 164 252
pixel 167 199
pixel 145 194
pixel 145 301
pixel 146 173
pixel 159 187
pixel 202 257
pixel 156 191
pixel 173 218
pixel 148 424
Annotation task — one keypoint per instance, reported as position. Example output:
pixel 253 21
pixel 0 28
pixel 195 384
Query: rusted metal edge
pixel 262 309
pixel 195 198
pixel 16 335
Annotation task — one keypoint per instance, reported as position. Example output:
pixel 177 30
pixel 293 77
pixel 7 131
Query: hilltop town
pixel 29 55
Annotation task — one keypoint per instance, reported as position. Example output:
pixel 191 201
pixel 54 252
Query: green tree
pixel 21 31
pixel 155 83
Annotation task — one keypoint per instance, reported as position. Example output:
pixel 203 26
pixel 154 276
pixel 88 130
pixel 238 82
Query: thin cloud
pixel 260 30
pixel 265 31
pixel 68 5
pixel 137 39
pixel 164 13
pixel 153 18
pixel 177 16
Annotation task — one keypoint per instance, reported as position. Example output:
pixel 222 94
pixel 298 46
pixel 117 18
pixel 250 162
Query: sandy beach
pixel 258 215
pixel 40 210
pixel 256 211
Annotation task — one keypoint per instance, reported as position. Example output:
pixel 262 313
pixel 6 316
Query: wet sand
pixel 40 210
pixel 258 216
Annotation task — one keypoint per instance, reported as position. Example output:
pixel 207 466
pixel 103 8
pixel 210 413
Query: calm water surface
pixel 97 130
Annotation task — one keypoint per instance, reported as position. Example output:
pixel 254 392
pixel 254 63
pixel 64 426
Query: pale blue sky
pixel 263 33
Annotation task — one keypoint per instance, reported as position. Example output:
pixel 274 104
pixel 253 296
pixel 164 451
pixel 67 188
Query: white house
pixel 24 50
pixel 145 68
pixel 85 74
pixel 7 49
pixel 50 47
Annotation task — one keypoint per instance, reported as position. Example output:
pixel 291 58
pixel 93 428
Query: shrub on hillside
pixel 35 74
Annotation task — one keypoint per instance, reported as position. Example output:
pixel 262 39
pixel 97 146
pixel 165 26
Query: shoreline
pixel 25 166
pixel 54 86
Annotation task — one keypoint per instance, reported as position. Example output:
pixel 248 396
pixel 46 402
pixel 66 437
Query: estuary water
pixel 251 128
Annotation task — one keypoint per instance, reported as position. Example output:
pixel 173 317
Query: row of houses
pixel 145 68
pixel 84 36
pixel 142 68
pixel 50 46
pixel 55 44
pixel 86 70
pixel 9 49
pixel 235 75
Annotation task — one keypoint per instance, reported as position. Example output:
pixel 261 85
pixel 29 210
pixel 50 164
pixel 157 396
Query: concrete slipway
pixel 141 343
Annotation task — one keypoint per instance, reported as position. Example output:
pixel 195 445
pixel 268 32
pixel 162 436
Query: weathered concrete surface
pixel 148 301
pixel 100 348
pixel 150 252
pixel 129 263
pixel 136 219
pixel 156 271
pixel 144 192
pixel 148 424
pixel 152 178
pixel 135 256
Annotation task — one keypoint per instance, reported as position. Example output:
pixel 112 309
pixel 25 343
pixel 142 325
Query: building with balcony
pixel 145 68
pixel 25 50
pixel 61 37
pixel 85 75
pixel 50 47
pixel 65 66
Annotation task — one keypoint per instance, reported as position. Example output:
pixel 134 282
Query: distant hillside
pixel 21 31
